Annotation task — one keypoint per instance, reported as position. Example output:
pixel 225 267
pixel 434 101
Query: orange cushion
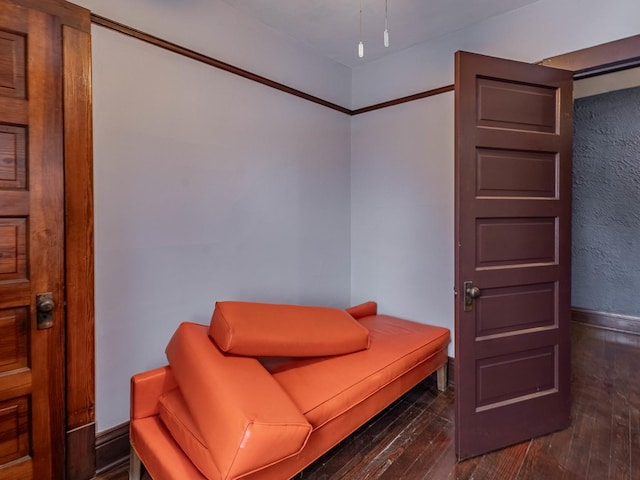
pixel 176 417
pixel 244 417
pixel 270 330
pixel 325 388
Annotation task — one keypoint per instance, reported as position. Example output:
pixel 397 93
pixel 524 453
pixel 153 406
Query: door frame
pixel 79 345
pixel 605 58
pixel 79 250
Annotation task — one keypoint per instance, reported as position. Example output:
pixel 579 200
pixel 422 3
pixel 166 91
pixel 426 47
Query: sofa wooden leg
pixel 135 466
pixel 442 377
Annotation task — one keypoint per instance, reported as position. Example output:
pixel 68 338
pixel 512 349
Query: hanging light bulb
pixel 360 45
pixel 386 30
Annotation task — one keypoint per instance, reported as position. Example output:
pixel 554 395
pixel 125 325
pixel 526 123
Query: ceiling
pixel 331 27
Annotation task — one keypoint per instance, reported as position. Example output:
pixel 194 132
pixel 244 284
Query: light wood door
pixel 513 251
pixel 31 245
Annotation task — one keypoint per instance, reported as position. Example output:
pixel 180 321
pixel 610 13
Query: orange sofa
pixel 265 390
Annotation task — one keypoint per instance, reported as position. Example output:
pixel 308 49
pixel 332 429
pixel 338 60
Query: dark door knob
pixel 470 294
pixel 46 305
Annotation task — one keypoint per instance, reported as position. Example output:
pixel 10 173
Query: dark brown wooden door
pixel 513 228
pixel 31 245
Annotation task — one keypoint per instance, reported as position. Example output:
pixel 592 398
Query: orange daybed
pixel 265 390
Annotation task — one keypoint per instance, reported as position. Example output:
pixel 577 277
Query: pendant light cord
pixel 385 14
pixel 360 39
pixel 360 44
pixel 386 29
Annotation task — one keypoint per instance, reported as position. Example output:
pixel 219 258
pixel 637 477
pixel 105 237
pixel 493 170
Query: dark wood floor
pixel 413 438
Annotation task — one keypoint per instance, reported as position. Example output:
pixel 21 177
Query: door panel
pixel 511 173
pixel 14 435
pixel 12 65
pixel 535 305
pixel 31 244
pixel 13 339
pixel 513 221
pixel 502 242
pixel 13 249
pixel 509 378
pixel 509 104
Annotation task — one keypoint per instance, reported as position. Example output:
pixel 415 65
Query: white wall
pixel 207 187
pixel 402 210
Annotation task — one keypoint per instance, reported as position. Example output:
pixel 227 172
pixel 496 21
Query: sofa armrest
pixel 146 389
pixel 245 417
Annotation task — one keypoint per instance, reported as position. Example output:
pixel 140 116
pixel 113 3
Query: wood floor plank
pixel 634 420
pixel 463 470
pixel 634 411
pixel 599 452
pixel 540 461
pixel 418 455
pixel 577 461
pixel 366 444
pixel 620 453
pixel 504 464
pixel 354 448
pixel 431 443
pixel 444 465
pixel 397 437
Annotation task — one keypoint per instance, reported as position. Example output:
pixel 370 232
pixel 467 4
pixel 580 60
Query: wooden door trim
pixel 79 252
pixel 79 258
pixel 69 13
pixel 606 58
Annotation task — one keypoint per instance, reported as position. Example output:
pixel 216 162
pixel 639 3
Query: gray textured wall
pixel 606 203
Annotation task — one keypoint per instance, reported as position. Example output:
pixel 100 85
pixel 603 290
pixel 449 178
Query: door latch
pixel 45 306
pixel 470 294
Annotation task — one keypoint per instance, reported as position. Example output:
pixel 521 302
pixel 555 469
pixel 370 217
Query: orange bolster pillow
pixel 245 417
pixel 366 309
pixel 270 330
